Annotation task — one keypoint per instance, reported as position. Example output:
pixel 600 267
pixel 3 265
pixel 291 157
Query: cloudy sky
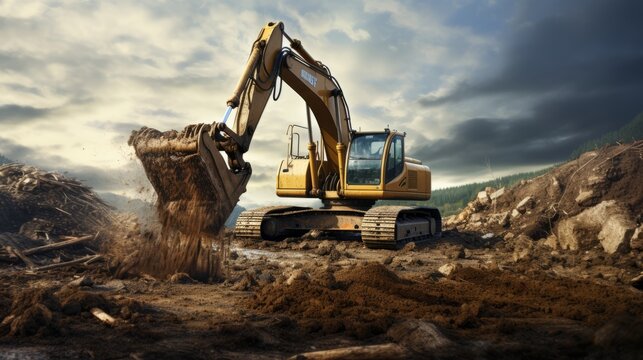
pixel 483 88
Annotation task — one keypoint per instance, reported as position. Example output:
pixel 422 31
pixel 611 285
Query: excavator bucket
pixel 196 190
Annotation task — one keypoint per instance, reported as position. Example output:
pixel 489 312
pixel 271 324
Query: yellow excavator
pixel 346 169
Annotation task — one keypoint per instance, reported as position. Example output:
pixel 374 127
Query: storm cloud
pixel 12 113
pixel 474 83
pixel 580 67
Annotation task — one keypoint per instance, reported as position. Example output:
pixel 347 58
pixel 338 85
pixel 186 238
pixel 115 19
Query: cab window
pixel 365 159
pixel 395 158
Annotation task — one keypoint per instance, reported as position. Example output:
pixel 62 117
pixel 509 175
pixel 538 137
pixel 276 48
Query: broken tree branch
pixel 59 245
pixel 30 264
pixel 103 316
pixel 372 352
pixel 67 263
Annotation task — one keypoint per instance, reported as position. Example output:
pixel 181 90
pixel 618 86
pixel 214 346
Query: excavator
pixel 347 170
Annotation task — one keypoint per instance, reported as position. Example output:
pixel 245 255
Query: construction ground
pixel 548 269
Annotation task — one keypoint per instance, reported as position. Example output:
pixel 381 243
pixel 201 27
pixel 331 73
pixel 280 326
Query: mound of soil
pixel 367 300
pixel 535 207
pixel 49 311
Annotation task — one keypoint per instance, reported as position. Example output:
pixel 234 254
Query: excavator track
pixel 249 222
pixel 390 227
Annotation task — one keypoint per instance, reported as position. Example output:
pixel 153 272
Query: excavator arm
pixel 187 169
pixel 310 79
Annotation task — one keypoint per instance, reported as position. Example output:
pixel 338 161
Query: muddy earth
pixel 190 214
pixel 543 283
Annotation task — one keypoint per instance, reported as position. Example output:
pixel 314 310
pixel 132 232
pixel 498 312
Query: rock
pixel 475 217
pixel 419 336
pixel 637 281
pixel 297 275
pixel 610 220
pixel 503 219
pixel 449 220
pixel 408 248
pixel 455 253
pixel 488 235
pixel 313 234
pixel 554 188
pixel 585 157
pixel 304 246
pixel 449 268
pixel 462 216
pixel 636 243
pixel 522 246
pixel 497 194
pixel 81 281
pixel 398 263
pixel 586 198
pixel 233 255
pixel 595 180
pixel 483 198
pixel 524 204
pixel 515 213
pixel 246 283
pixel 509 236
pixel 475 225
pixel 324 248
pixel 551 242
pixel 388 260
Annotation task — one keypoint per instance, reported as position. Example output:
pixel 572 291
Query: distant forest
pixel 4 160
pixel 452 200
pixel 628 133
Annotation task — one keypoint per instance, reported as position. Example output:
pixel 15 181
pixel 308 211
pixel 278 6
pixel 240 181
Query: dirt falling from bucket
pixel 189 210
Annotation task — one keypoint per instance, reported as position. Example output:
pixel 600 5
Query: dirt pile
pixel 190 214
pixel 593 201
pixel 368 300
pixel 43 204
pixel 51 310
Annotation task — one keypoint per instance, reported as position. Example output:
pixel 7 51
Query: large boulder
pixel 483 198
pixel 609 223
pixel 497 194
pixel 524 204
pixel 418 335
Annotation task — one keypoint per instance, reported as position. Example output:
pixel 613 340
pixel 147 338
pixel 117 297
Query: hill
pixel 453 199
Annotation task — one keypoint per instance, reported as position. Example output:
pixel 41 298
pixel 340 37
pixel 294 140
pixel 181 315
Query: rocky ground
pixel 542 270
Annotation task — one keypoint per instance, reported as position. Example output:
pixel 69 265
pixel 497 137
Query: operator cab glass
pixel 395 159
pixel 365 159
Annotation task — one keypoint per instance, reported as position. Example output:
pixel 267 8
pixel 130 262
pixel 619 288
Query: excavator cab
pixel 365 159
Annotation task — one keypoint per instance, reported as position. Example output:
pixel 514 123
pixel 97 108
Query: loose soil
pixel 279 299
pixel 188 209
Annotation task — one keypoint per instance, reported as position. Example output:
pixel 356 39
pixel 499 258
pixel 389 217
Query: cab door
pixel 394 160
